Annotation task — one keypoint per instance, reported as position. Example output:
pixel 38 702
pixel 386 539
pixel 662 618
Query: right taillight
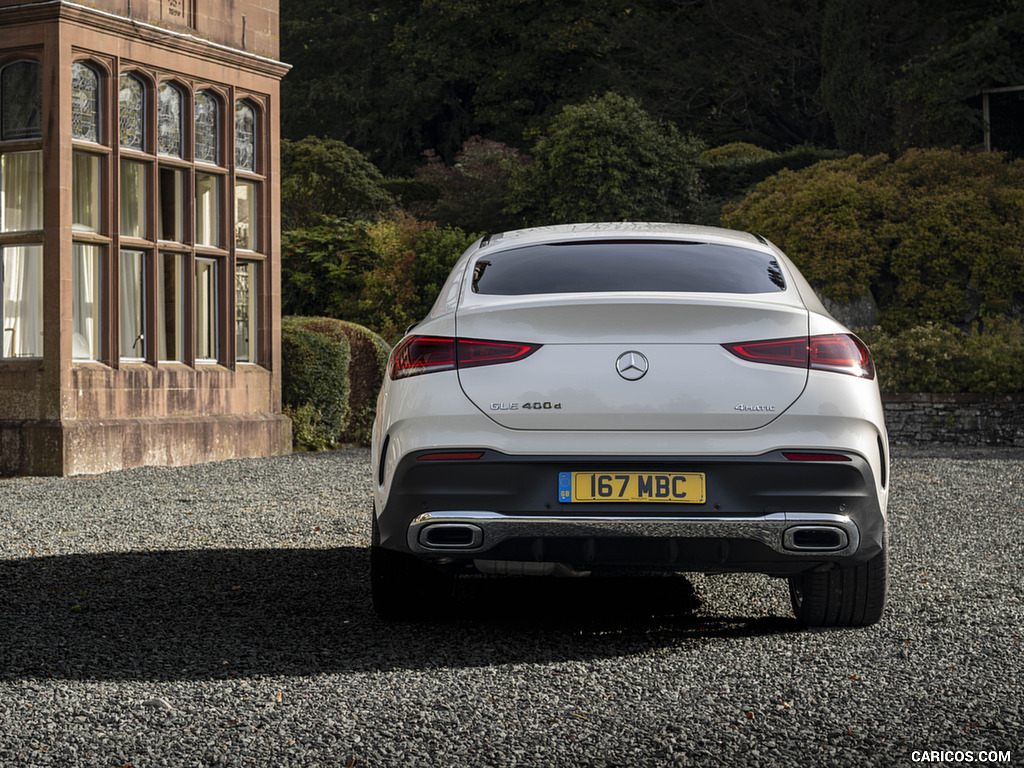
pixel 836 352
pixel 842 353
pixel 416 355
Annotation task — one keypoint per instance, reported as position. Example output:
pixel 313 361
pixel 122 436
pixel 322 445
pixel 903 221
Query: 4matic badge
pixel 744 407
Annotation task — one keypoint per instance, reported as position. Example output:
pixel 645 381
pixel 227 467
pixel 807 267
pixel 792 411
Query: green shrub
pixel 937 357
pixel 412 258
pixel 368 366
pixel 734 153
pixel 607 160
pixel 728 172
pixel 384 275
pixel 326 177
pixel 331 373
pixel 933 235
pixel 323 267
pixel 471 192
pixel 315 381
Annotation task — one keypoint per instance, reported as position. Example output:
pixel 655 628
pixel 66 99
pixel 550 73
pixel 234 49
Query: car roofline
pixel 618 230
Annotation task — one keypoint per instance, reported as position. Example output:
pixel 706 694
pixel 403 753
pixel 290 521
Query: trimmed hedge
pixel 330 374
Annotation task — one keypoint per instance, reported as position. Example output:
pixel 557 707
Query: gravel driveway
pixel 220 615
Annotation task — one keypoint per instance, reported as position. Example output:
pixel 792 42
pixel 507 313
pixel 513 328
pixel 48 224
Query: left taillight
pixel 836 352
pixel 416 355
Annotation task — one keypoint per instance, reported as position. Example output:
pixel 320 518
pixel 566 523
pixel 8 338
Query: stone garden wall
pixel 965 420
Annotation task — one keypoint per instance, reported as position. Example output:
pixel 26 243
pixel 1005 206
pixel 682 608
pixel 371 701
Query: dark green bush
pixel 368 366
pixel 323 267
pixel 937 357
pixel 471 192
pixel 315 381
pixel 933 236
pixel 607 160
pixel 384 275
pixel 731 170
pixel 331 373
pixel 326 177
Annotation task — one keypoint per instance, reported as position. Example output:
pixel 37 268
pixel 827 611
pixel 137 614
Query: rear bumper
pixel 763 514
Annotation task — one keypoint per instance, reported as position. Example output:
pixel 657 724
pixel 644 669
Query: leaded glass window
pixel 168 119
pixel 245 137
pixel 131 101
pixel 245 215
pixel 245 312
pixel 21 101
pixel 85 103
pixel 206 128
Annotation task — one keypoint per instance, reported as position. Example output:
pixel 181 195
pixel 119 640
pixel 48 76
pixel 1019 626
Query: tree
pixel 936 95
pixel 471 192
pixel 607 160
pixel 326 177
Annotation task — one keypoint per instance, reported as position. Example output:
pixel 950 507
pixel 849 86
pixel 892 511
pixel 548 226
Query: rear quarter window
pixel 611 266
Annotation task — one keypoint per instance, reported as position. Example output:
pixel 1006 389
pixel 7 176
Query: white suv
pixel 630 396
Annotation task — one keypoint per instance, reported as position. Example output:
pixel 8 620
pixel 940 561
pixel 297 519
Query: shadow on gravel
pixel 214 614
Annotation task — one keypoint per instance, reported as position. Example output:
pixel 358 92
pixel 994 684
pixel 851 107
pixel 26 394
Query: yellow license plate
pixel 632 487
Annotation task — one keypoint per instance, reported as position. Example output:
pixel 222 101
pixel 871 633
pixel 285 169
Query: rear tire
pixel 403 587
pixel 842 597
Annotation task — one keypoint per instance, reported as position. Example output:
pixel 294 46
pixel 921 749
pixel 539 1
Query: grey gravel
pixel 219 615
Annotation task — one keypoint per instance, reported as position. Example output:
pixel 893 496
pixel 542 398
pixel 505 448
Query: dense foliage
pixel 314 383
pixel 384 274
pixel 932 236
pixel 937 357
pixel 394 78
pixel 327 177
pixel 330 376
pixel 486 117
pixel 470 193
pixel 607 160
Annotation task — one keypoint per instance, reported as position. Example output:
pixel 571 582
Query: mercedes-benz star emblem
pixel 631 365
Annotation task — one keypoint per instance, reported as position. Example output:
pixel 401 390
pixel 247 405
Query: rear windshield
pixel 601 267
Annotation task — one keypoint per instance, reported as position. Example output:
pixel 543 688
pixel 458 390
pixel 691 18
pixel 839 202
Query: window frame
pixel 142 302
pixel 28 240
pixel 210 300
pixel 165 188
pixel 253 311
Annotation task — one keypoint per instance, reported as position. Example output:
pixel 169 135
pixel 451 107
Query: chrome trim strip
pixel 769 529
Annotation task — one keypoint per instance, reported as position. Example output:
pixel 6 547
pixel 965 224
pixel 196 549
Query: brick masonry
pixel 963 420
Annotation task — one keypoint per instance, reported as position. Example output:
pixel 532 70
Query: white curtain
pixel 132 339
pixel 23 301
pixel 206 210
pixel 85 305
pixel 21 191
pixel 85 192
pixel 133 199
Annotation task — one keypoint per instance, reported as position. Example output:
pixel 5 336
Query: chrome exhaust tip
pixel 815 538
pixel 451 536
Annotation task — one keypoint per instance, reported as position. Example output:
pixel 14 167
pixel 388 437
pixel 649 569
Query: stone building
pixel 139 235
